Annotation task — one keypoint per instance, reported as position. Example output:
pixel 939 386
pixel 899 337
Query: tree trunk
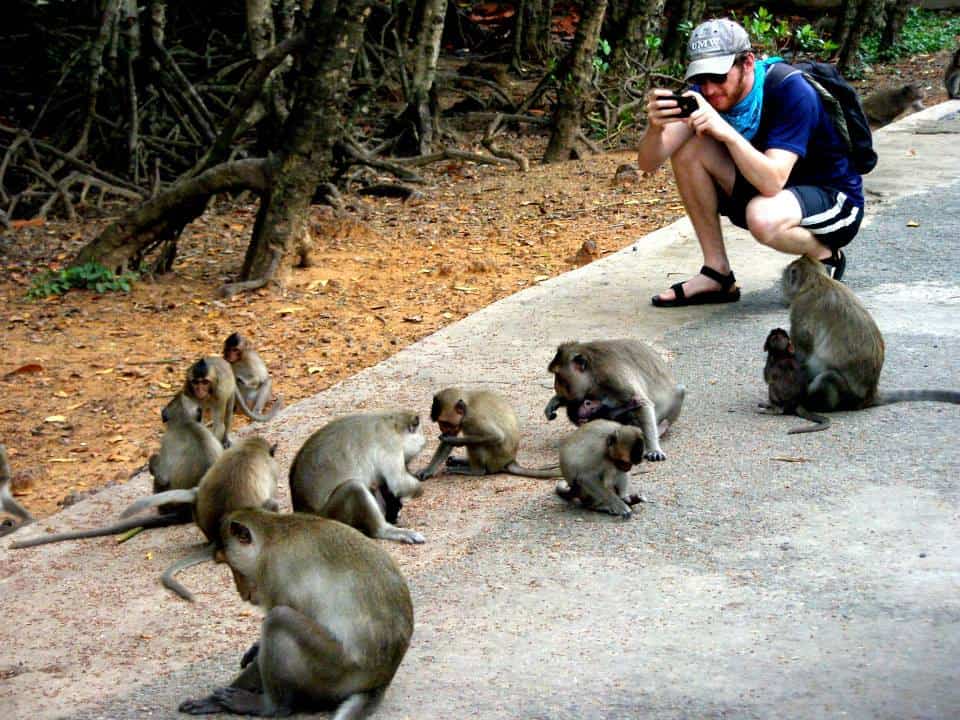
pixel 417 118
pixel 864 22
pixel 575 75
pixel 677 12
pixel 896 17
pixel 531 39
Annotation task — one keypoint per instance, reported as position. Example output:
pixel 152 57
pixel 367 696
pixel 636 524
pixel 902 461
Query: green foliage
pixel 601 61
pixel 652 42
pixel 924 31
pixel 773 37
pixel 91 276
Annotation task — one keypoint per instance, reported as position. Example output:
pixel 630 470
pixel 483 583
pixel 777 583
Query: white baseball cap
pixel 713 47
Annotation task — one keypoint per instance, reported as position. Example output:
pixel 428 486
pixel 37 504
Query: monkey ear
pixel 241 532
pixel 273 449
pixel 580 362
pixel 414 424
pixel 461 407
pixel 435 409
pixel 611 439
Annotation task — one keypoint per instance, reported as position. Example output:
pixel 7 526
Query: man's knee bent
pixel 765 219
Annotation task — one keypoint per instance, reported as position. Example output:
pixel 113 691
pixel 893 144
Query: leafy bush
pixel 91 276
pixel 924 31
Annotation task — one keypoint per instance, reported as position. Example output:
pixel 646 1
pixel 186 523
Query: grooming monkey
pixel 951 76
pixel 254 387
pixel 838 343
pixel 7 501
pixel 484 423
pixel 787 380
pixel 338 617
pixel 245 476
pixel 595 461
pixel 882 106
pixel 623 380
pixel 354 469
pixel 188 449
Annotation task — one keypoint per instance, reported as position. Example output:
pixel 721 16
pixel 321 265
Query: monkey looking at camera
pixel 951 76
pixel 245 476
pixel 188 449
pixel 338 620
pixel 622 378
pixel 8 503
pixel 354 469
pixel 254 387
pixel 787 379
pixel 883 106
pixel 484 423
pixel 595 461
pixel 838 343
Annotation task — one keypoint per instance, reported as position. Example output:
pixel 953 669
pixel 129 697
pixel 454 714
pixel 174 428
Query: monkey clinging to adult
pixel 616 379
pixel 838 343
pixel 338 617
pixel 8 503
pixel 595 461
pixel 786 380
pixel 483 422
pixel 354 469
pixel 254 387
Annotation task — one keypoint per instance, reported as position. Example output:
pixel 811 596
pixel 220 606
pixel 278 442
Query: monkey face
pixel 232 354
pixel 778 341
pixel 200 387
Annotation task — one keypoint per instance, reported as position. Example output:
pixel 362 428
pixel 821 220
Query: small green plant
pixel 601 61
pixel 91 276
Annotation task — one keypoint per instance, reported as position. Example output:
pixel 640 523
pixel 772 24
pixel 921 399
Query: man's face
pixel 737 85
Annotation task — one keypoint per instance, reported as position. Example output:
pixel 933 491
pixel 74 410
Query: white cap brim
pixel 718 65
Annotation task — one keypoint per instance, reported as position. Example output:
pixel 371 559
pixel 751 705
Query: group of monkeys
pixel 338 611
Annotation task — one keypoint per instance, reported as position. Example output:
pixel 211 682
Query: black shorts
pixel 829 214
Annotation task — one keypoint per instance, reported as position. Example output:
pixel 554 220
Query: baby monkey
pixel 254 387
pixel 484 423
pixel 787 381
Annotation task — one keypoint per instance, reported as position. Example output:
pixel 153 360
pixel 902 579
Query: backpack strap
pixel 778 72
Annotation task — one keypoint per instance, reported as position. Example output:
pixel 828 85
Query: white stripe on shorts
pixel 839 224
pixel 828 214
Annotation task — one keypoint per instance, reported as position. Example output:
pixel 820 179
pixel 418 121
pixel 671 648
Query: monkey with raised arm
pixel 354 469
pixel 483 422
pixel 595 461
pixel 624 379
pixel 8 503
pixel 787 380
pixel 885 105
pixel 338 618
pixel 245 476
pixel 254 387
pixel 839 344
pixel 951 76
pixel 188 449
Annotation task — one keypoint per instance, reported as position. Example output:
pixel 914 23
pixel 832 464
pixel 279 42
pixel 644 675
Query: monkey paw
pixel 655 455
pixel 201 706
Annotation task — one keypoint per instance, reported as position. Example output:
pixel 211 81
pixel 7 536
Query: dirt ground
pixel 84 375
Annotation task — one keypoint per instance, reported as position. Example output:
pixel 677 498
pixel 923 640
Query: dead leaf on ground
pixel 25 369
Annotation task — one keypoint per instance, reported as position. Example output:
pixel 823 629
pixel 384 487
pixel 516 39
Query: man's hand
pixel 662 111
pixel 707 121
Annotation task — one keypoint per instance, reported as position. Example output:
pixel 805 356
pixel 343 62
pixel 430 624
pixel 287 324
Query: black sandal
pixel 836 264
pixel 723 295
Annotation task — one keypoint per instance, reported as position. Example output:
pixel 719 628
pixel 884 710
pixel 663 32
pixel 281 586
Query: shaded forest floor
pixel 84 375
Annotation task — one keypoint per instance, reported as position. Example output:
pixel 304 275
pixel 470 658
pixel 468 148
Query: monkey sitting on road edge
pixel 490 433
pixel 7 501
pixel 595 461
pixel 787 380
pixel 338 617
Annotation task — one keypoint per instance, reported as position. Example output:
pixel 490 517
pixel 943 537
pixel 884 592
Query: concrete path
pixel 772 576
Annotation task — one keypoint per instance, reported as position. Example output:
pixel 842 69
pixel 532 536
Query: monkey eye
pixel 241 533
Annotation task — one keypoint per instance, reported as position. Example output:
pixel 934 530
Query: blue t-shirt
pixel 794 119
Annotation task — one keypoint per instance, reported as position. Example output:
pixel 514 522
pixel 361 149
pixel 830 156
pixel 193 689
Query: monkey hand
pixel 250 655
pixel 654 455
pixel 201 706
pixel 551 409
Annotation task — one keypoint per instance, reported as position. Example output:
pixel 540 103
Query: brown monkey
pixel 951 76
pixel 338 617
pixel 839 344
pixel 616 379
pixel 595 461
pixel 254 387
pixel 7 501
pixel 187 451
pixel 882 106
pixel 787 380
pixel 490 433
pixel 354 469
pixel 245 476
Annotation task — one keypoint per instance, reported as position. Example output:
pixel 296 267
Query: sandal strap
pixel 678 291
pixel 726 281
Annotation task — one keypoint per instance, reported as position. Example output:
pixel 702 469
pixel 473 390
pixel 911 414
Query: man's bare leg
pixel 775 222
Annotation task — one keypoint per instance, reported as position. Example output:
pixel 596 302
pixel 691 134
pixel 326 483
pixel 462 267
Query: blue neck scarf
pixel 745 115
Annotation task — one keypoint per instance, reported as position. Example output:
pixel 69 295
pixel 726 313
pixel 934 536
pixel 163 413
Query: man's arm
pixel 665 132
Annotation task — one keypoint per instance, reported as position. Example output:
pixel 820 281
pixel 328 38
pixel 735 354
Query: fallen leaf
pixel 61 394
pixel 314 369
pixel 104 372
pixel 35 222
pixel 541 278
pixel 413 319
pixel 115 439
pixel 55 419
pixel 912 223
pixel 24 369
pixel 165 386
pixel 466 289
pixel 790 459
pixel 75 405
pixel 289 310
pixel 63 460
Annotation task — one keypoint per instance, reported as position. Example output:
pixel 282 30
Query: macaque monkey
pixel 484 423
pixel 951 76
pixel 354 469
pixel 8 503
pixel 595 461
pixel 245 476
pixel 623 380
pixel 838 344
pixel 883 106
pixel 254 387
pixel 787 382
pixel 338 617
pixel 187 451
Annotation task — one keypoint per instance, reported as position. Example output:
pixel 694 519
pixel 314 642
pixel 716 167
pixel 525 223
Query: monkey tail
pixel 895 396
pixel 822 422
pixel 257 416
pixel 188 497
pixel 168 580
pixel 548 472
pixel 157 521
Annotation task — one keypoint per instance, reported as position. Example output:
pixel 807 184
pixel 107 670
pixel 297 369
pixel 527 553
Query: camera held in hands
pixel 687 104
